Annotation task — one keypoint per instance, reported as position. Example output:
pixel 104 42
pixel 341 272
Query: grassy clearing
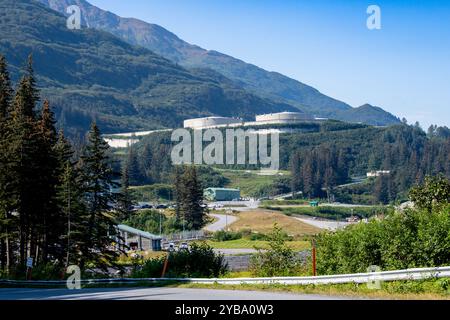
pixel 436 289
pixel 330 212
pixel 262 221
pixel 251 244
pixel 249 182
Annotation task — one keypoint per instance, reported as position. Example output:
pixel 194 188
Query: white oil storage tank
pixel 282 117
pixel 211 122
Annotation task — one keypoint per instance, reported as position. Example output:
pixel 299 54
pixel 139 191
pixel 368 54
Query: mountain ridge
pixel 267 84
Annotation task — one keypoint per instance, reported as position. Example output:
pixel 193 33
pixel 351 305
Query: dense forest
pixel 324 155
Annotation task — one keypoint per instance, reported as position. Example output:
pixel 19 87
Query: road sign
pixel 30 263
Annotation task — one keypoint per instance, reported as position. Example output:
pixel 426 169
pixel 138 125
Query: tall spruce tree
pixel 24 142
pixel 49 219
pixel 98 186
pixel 6 198
pixel 192 206
pixel 125 200
pixel 178 194
pixel 132 167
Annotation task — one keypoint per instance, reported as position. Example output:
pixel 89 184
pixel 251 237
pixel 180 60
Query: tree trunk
pixel 8 253
pixel 2 254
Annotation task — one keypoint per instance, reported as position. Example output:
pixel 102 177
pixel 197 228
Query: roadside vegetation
pixel 199 261
pixel 278 260
pixel 412 238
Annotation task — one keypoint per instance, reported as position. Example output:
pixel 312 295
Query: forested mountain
pixel 267 84
pixel 90 74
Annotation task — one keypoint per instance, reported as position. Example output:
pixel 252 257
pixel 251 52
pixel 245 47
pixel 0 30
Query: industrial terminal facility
pixel 264 119
pixel 123 140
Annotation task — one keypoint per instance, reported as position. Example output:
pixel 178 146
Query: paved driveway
pixel 221 222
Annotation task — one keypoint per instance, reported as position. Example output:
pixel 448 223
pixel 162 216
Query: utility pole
pixel 314 257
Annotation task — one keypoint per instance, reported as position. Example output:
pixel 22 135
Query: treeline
pixel 410 155
pixel 406 151
pixel 54 207
pixel 315 173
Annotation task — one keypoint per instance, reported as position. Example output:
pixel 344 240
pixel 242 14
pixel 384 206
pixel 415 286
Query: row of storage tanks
pixel 272 118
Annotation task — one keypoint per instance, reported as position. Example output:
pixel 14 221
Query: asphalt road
pixel 221 222
pixel 152 294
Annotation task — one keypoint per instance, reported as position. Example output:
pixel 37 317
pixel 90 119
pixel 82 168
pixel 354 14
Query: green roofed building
pixel 222 194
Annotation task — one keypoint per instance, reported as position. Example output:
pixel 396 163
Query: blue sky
pixel 403 68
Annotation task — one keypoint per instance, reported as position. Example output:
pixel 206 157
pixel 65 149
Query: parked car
pixel 184 246
pixel 171 247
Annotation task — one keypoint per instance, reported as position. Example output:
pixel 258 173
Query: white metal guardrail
pixel 408 274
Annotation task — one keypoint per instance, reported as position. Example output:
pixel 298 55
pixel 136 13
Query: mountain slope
pixel 90 74
pixel 266 84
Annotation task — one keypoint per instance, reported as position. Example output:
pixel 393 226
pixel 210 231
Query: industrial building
pixel 222 194
pixel 211 122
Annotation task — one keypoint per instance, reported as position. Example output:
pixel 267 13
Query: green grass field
pixel 249 182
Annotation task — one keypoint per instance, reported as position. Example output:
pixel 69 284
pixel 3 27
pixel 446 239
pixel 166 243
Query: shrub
pixel 43 271
pixel 227 235
pixel 278 260
pixel 199 261
pixel 414 238
pixel 258 236
pixel 149 220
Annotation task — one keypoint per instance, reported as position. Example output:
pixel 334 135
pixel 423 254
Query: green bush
pixel 43 271
pixel 149 220
pixel 278 260
pixel 258 236
pixel 199 261
pixel 226 235
pixel 401 240
pixel 151 268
